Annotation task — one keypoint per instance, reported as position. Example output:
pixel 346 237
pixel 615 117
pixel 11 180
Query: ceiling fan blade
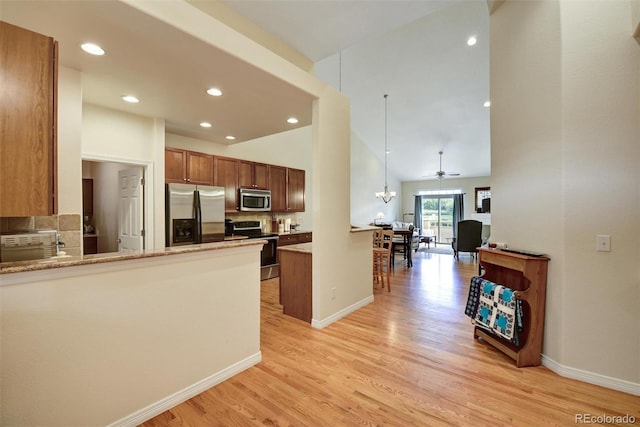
pixel 441 174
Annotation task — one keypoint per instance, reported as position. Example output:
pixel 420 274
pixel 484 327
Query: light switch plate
pixel 603 243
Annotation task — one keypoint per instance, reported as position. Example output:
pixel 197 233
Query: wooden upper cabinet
pixel 286 184
pixel 287 189
pixel 28 89
pixel 187 167
pixel 199 168
pixel 246 174
pixel 226 175
pixel 175 165
pixel 295 190
pixel 251 174
pixel 278 186
pixel 261 175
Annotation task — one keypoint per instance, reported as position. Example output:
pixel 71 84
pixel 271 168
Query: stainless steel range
pixel 269 254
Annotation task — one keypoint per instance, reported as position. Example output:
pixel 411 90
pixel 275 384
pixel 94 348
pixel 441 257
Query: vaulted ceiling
pixel 415 51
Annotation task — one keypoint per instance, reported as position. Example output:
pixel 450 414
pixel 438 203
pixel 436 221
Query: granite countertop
pixel 301 247
pixel 70 261
pixel 361 228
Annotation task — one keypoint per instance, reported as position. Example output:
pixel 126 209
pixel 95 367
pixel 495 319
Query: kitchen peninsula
pixel 296 281
pixel 164 324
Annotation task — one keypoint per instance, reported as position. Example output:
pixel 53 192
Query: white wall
pixel 344 264
pixel 114 136
pixel 367 178
pixel 333 257
pixel 290 149
pixel 600 103
pixel 565 155
pixel 69 141
pixel 467 185
pixel 91 345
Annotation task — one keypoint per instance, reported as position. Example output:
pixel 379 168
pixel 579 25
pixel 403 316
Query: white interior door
pixel 130 220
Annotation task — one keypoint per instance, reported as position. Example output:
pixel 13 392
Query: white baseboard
pixel 591 378
pixel 187 393
pixel 319 324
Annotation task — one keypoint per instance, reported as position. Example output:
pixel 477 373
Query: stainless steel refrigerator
pixel 193 214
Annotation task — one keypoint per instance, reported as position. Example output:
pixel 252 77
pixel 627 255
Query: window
pixel 437 216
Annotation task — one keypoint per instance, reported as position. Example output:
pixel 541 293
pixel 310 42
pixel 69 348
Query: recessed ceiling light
pixel 205 124
pixel 92 48
pixel 230 137
pixel 214 91
pixel 130 98
pixel 292 120
pixel 487 104
pixel 472 40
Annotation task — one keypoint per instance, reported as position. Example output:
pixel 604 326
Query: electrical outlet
pixel 333 293
pixel 603 243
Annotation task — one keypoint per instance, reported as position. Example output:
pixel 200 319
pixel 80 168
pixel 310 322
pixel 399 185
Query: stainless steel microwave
pixel 254 200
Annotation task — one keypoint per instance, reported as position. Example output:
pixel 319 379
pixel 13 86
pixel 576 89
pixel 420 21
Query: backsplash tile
pixel 68 225
pixel 46 222
pixel 69 222
pixel 21 223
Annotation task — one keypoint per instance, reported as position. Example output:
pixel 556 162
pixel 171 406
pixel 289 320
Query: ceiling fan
pixel 441 174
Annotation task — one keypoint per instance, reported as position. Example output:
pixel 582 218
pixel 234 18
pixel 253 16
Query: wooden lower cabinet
pixel 295 238
pixel 295 284
pixel 90 244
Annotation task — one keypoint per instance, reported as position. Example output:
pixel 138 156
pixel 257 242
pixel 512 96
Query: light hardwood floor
pixel 407 359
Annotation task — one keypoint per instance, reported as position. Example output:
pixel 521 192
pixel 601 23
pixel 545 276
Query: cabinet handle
pixel 188 180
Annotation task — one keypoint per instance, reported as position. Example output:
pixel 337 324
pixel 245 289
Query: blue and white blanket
pixel 495 308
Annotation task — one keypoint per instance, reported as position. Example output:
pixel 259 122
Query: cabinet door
pixel 226 175
pixel 245 174
pixel 261 175
pixel 87 197
pixel 199 168
pixel 27 120
pixel 175 165
pixel 278 185
pixel 295 190
pixel 305 237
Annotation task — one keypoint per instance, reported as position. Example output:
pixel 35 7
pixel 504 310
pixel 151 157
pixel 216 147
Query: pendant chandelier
pixel 386 195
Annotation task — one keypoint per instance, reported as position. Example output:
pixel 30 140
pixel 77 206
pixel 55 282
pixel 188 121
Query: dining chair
pixel 382 257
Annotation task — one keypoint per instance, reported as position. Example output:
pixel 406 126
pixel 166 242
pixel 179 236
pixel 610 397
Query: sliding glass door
pixel 437 217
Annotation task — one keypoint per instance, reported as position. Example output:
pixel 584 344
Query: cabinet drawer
pixel 288 239
pixel 304 237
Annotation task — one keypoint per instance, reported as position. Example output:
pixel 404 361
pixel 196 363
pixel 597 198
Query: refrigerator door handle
pixel 197 213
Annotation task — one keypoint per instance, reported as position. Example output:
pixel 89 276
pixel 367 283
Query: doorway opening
pixel 113 203
pixel 437 216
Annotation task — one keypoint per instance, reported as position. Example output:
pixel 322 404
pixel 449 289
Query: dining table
pixel 406 235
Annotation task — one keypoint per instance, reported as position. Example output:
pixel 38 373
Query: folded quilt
pixel 495 308
pixel 474 296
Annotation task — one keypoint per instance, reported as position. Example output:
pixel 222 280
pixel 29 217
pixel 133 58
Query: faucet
pixel 59 244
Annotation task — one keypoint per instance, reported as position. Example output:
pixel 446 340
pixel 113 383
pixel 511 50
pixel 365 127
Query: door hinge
pixel 142 233
pixel 142 181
